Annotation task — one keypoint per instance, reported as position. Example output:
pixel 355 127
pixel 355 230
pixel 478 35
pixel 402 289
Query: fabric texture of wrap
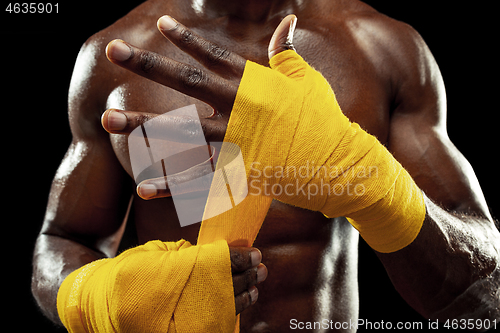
pixel 156 287
pixel 294 140
pixel 300 148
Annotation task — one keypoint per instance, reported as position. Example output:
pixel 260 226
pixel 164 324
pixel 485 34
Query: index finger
pixel 200 84
pixel 243 258
pixel 218 59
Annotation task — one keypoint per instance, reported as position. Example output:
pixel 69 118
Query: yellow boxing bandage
pixel 156 287
pixel 300 148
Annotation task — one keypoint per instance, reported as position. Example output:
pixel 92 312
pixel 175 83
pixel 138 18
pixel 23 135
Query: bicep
pixel 90 191
pixel 88 198
pixel 419 140
pixel 437 167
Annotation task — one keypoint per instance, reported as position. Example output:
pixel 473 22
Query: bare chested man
pixel 385 79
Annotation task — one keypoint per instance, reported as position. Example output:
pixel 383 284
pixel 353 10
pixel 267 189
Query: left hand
pixel 217 87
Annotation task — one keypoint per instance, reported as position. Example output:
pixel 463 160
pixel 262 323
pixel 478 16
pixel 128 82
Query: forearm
pixel 449 270
pixel 54 259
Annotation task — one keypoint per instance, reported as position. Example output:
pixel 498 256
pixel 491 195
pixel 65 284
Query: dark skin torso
pixel 291 239
pixel 384 79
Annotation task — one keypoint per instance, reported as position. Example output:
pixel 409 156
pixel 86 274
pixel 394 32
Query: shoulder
pixel 92 71
pixel 394 53
pixel 87 72
pixel 401 55
pixel 94 77
pixel 388 40
pixel 89 86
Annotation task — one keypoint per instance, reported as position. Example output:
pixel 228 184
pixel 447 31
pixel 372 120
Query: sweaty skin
pixel 385 79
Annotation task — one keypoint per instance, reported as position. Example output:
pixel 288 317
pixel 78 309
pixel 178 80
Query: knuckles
pixel 246 301
pixel 240 260
pixel 186 36
pixel 141 119
pixel 250 277
pixel 191 76
pixel 148 61
pixel 216 55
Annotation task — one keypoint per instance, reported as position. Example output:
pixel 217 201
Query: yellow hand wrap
pixel 300 148
pixel 295 140
pixel 156 287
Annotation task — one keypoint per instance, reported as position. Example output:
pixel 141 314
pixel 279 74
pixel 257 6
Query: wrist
pixel 287 120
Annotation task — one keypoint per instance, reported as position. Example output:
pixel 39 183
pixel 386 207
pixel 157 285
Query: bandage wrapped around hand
pixel 156 287
pixel 300 148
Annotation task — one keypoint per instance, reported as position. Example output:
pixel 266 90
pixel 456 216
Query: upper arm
pixel 418 136
pixel 90 191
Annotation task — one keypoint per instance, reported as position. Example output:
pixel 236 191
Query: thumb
pixel 282 38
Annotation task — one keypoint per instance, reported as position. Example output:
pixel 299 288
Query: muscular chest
pixel 361 92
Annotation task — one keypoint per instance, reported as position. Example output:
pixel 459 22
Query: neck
pixel 253 10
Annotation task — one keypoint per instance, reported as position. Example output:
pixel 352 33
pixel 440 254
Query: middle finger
pixel 203 85
pixel 218 59
pixel 249 278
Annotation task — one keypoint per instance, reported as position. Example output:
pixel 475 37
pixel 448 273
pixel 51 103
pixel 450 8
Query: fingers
pixel 210 55
pixel 249 278
pixel 191 180
pixel 167 127
pixel 247 272
pixel 243 258
pixel 203 85
pixel 282 38
pixel 124 122
pixel 246 266
pixel 246 299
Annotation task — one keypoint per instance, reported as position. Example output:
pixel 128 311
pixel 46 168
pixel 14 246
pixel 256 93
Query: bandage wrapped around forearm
pixel 156 287
pixel 301 149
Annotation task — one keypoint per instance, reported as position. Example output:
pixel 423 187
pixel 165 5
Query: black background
pixel 37 56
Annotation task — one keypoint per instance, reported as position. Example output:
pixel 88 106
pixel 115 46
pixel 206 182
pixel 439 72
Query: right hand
pixel 247 271
pixel 217 87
